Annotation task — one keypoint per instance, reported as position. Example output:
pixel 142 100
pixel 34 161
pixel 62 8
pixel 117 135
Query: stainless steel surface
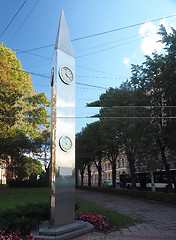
pixel 63 124
pixel 63 33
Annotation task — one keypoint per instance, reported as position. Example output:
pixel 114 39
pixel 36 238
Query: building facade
pixel 121 167
pixel 3 173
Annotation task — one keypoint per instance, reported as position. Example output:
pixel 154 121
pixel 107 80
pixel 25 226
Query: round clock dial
pixel 66 75
pixel 65 143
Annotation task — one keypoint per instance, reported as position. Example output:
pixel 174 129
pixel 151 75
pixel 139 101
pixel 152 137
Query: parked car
pixel 118 182
pixel 107 183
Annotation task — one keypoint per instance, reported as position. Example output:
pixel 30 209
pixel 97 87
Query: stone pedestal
pixel 69 231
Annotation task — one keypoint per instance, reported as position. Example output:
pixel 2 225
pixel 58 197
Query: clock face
pixel 66 75
pixel 65 143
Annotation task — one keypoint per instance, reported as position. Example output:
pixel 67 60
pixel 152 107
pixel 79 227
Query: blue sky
pixel 103 60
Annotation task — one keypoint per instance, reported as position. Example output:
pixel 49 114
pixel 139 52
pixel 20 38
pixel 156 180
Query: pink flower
pixel 99 221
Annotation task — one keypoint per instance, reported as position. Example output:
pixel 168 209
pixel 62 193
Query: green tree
pixel 120 125
pixel 89 149
pixel 22 110
pixel 81 156
pixel 155 80
pixel 26 168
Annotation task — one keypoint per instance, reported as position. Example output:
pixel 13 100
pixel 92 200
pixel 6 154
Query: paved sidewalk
pixel 157 221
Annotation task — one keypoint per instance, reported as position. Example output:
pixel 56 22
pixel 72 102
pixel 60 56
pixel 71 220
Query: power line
pixel 23 22
pixel 34 54
pixel 98 77
pixel 104 44
pixel 13 19
pixel 89 85
pixel 105 49
pixel 36 66
pixel 51 45
pixel 44 76
pixel 33 49
pixel 99 71
pixel 121 28
pixel 97 34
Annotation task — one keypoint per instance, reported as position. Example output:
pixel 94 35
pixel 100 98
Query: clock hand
pixel 68 76
pixel 65 142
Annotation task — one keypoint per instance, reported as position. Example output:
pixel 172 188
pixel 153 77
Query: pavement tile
pixel 117 236
pixel 158 221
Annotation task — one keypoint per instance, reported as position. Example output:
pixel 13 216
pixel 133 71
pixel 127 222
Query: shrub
pixel 99 221
pixel 149 195
pixel 16 183
pixel 23 218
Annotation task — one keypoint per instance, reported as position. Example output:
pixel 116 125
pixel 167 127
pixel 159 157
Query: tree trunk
pixel 89 174
pixel 76 177
pixel 82 177
pixel 131 160
pixel 152 182
pixel 166 165
pixel 114 172
pixel 99 173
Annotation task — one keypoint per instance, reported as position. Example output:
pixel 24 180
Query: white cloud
pixel 134 55
pixel 150 39
pixel 126 61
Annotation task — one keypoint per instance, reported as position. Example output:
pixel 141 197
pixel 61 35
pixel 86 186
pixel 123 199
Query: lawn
pixel 116 219
pixel 14 199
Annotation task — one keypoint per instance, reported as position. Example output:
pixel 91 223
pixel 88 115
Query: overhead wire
pixel 121 28
pixel 99 71
pixel 104 44
pixel 101 33
pixel 37 55
pixel 105 49
pixel 41 75
pixel 23 22
pixel 44 76
pixel 34 49
pixel 13 18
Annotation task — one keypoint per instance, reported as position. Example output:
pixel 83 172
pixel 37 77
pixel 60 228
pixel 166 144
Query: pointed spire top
pixel 63 41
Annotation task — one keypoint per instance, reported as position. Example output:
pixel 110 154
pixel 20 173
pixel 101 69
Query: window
pixel 123 163
pixel 118 163
pixel 109 167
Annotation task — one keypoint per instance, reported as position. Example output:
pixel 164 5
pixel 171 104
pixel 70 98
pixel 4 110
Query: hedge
pixel 149 195
pixel 23 218
pixel 16 183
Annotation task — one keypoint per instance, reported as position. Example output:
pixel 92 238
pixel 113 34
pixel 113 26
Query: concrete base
pixel 62 233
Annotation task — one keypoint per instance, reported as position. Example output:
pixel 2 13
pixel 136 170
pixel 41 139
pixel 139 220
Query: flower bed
pixel 99 221
pixel 14 236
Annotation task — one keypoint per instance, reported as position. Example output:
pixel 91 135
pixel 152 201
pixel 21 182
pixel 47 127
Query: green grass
pixel 14 197
pixel 116 219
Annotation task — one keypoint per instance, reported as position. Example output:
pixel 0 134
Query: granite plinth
pixel 45 231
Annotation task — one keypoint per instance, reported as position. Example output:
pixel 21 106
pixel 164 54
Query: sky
pixel 107 37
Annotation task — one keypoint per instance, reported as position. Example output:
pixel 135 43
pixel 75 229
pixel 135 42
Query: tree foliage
pixel 20 105
pixel 140 114
pixel 22 110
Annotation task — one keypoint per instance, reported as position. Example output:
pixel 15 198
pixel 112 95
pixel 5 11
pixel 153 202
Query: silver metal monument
pixel 62 224
pixel 63 129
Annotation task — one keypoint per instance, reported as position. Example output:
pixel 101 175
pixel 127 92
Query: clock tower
pixel 62 224
pixel 63 129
